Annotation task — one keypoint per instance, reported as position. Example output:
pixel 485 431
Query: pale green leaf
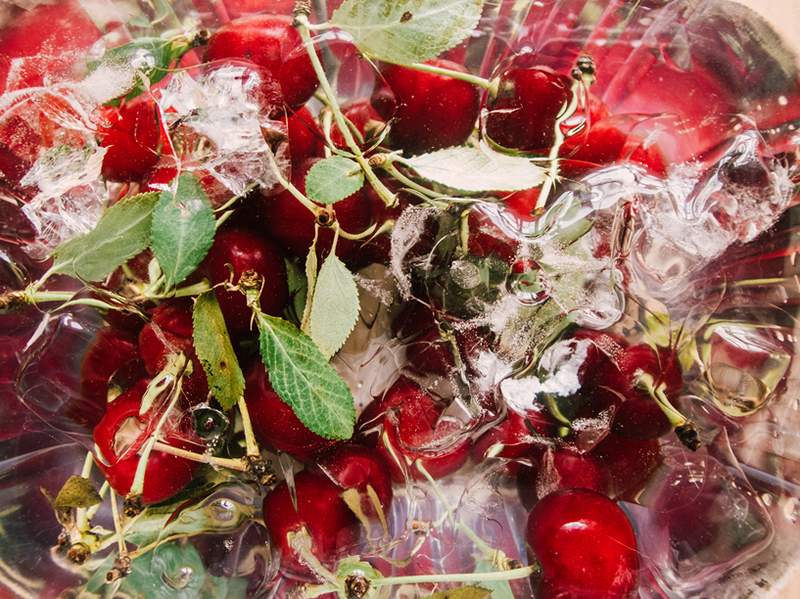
pixel 215 351
pixel 500 589
pixel 122 232
pixel 477 170
pixel 311 282
pixel 183 229
pixel 333 179
pixel 334 311
pixel 304 379
pixel 407 31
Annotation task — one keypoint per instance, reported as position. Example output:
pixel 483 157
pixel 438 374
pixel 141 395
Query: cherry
pixel 515 437
pixel 585 545
pixel 629 462
pixel 111 350
pixel 417 102
pixel 412 425
pixel 567 470
pixel 320 510
pixel 306 139
pixel 235 252
pixel 274 422
pixel 487 238
pixel 366 120
pixel 522 114
pixel 430 353
pixel 120 435
pixel 292 226
pixel 358 467
pixel 640 418
pixel 170 331
pixel 132 136
pixel 272 43
pixel 160 177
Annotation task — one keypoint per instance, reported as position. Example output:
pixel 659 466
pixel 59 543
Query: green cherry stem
pixel 92 511
pixel 387 164
pixel 468 77
pixel 296 193
pixel 302 24
pixel 229 463
pixel 500 576
pixel 118 528
pixel 247 426
pixel 81 518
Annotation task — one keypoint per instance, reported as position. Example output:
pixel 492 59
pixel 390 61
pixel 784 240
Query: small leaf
pixel 183 229
pixel 122 232
pixel 304 379
pixel 407 31
pixel 298 289
pixel 469 592
pixel 215 351
pixel 76 492
pixel 311 283
pixel 333 179
pixel 334 311
pixel 477 170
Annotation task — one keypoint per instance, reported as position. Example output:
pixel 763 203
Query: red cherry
pixel 292 226
pixel 111 350
pixel 119 436
pixel 274 422
pixel 513 438
pixel 431 354
pixel 623 375
pixel 236 251
pixel 272 43
pixel 522 114
pixel 418 101
pixel 306 139
pixel 487 238
pixel 568 470
pixel 629 462
pixel 640 418
pixel 585 545
pixel 240 8
pixel 420 411
pixel 133 138
pixel 320 510
pixel 366 119
pixel 170 331
pixel 357 467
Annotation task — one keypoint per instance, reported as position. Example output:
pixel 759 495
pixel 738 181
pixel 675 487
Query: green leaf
pixel 122 232
pixel 469 592
pixel 333 179
pixel 147 60
pixel 500 589
pixel 334 311
pixel 311 283
pixel 183 229
pixel 407 31
pixel 304 379
pixel 76 492
pixel 477 170
pixel 215 351
pixel 298 289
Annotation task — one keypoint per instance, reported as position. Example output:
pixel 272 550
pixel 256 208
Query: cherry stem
pixel 90 513
pixel 302 24
pixel 229 463
pixel 645 380
pixel 82 520
pixel 500 576
pixel 249 438
pixel 468 77
pixel 120 533
pixel 388 165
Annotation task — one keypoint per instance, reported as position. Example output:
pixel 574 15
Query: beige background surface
pixel 783 14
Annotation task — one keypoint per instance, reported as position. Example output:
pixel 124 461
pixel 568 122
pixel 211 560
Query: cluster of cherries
pixel 583 541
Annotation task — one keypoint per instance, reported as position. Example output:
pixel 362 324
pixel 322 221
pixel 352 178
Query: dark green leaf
pixel 215 351
pixel 407 31
pixel 333 179
pixel 76 492
pixel 183 229
pixel 304 379
pixel 122 232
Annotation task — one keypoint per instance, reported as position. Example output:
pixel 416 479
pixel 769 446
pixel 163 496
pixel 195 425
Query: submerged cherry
pixel 416 101
pixel 361 468
pixel 119 437
pixel 132 138
pixel 585 545
pixel 320 511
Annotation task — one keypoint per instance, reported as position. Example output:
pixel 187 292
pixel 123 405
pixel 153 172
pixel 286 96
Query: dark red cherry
pixel 628 462
pixel 522 114
pixel 320 510
pixel 487 238
pixel 430 353
pixel 640 418
pixel 420 411
pixel 111 350
pixel 561 469
pixel 170 331
pixel 120 435
pixel 585 545
pixel 518 436
pixel 133 138
pixel 235 252
pixel 272 43
pixel 306 139
pixel 274 422
pixel 429 111
pixel 292 226
pixel 661 364
pixel 358 467
pixel 366 120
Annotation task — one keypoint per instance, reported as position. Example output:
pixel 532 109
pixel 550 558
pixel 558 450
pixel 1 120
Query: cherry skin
pixel 522 114
pixel 320 510
pixel 572 470
pixel 357 467
pixel 272 43
pixel 628 462
pixel 585 545
pixel 292 226
pixel 640 418
pixel 112 350
pixel 274 422
pixel 366 120
pixel 133 139
pixel 165 474
pixel 418 102
pixel 170 331
pixel 235 252
pixel 306 139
